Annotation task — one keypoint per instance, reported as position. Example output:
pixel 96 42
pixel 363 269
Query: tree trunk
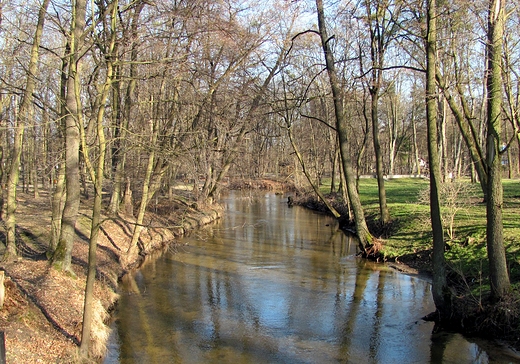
pixel 377 45
pixel 62 256
pixel 383 208
pixel 365 238
pixel 444 167
pixel 498 273
pixel 416 146
pixel 119 159
pixel 84 180
pixel 12 183
pixel 363 148
pixel 334 161
pixel 22 119
pixel 58 181
pixel 97 174
pixel 470 135
pixel 34 164
pixel 1 181
pixel 57 208
pixel 440 291
pixel 508 154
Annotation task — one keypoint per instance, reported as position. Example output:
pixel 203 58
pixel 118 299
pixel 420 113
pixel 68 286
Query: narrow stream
pixel 273 284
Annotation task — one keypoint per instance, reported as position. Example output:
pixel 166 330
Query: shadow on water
pixel 272 284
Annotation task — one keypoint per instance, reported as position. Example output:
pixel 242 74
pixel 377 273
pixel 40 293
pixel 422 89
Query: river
pixel 272 284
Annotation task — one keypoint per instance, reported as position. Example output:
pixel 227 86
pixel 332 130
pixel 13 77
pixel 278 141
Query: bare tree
pixel 498 273
pixel 59 183
pixel 440 290
pixel 383 25
pixel 365 238
pixel 97 169
pixel 122 112
pixel 288 114
pixel 62 256
pixel 23 117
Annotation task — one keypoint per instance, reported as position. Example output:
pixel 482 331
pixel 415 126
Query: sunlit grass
pixel 467 248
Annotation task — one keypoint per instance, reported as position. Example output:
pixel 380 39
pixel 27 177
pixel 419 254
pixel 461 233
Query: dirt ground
pixel 43 308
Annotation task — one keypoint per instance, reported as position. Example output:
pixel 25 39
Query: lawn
pixel 464 221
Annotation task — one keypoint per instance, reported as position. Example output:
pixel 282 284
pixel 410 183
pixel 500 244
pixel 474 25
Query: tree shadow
pixel 112 242
pixel 28 245
pixel 31 247
pixel 45 313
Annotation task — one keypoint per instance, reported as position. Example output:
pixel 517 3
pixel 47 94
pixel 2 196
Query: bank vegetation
pixel 406 244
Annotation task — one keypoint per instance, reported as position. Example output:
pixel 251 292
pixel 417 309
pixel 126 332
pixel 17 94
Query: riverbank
pixel 42 312
pixel 410 262
pixel 405 244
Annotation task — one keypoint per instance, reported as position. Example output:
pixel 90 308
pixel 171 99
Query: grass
pixel 467 245
pixel 473 309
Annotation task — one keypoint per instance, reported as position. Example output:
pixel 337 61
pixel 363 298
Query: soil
pixel 42 312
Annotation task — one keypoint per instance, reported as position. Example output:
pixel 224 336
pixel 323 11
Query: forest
pixel 118 102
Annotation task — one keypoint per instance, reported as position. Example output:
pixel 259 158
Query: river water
pixel 273 284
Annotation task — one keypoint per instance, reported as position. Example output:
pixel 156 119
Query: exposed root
pixel 373 251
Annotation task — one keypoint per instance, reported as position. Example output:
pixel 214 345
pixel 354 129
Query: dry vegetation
pixel 43 308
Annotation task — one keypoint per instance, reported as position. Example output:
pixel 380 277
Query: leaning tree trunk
pixel 130 256
pixel 440 290
pixel 498 273
pixel 22 119
pixel 97 174
pixel 365 238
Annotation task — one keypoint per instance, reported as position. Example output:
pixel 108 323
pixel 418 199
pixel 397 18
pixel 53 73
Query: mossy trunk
pixel 498 273
pixel 62 256
pixel 440 290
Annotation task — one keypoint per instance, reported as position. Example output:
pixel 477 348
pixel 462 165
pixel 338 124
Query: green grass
pixel 467 251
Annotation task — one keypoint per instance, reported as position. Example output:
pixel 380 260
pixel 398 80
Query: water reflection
pixel 272 284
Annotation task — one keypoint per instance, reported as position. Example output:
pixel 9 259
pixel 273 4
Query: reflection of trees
pixel 439 342
pixel 342 244
pixel 136 331
pixel 357 296
pixel 446 347
pixel 299 294
pixel 375 338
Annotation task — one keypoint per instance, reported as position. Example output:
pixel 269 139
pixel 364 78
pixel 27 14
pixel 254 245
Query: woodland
pixel 119 102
